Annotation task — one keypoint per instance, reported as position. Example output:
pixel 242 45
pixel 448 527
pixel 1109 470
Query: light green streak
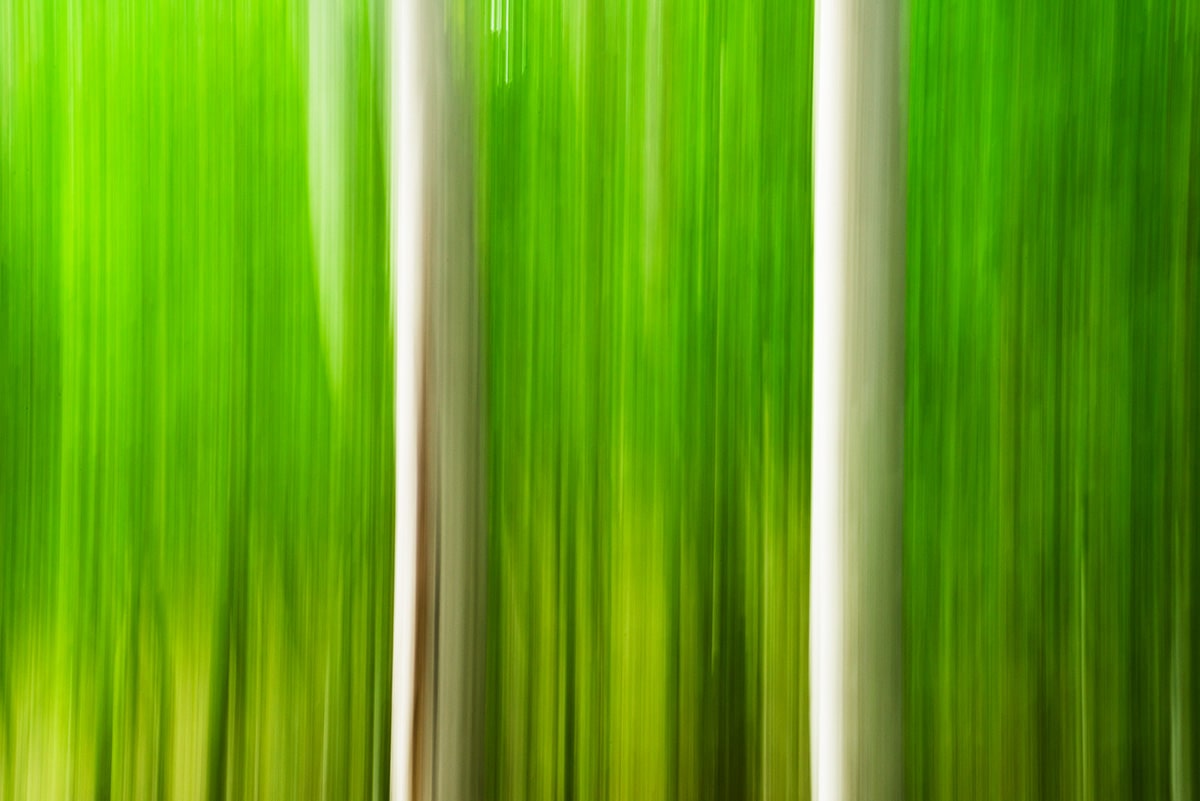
pixel 1052 440
pixel 195 533
pixel 644 242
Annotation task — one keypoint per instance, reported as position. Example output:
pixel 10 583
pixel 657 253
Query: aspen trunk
pixel 451 625
pixel 858 400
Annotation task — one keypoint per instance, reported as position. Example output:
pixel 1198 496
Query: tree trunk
pixel 858 400
pixel 450 549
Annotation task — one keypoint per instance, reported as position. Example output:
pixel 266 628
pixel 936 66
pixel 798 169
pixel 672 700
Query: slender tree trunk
pixel 858 400
pixel 410 577
pixel 455 405
pixel 451 546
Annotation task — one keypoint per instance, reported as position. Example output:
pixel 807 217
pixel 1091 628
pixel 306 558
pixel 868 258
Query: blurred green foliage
pixel 1053 392
pixel 196 465
pixel 645 246
pixel 195 517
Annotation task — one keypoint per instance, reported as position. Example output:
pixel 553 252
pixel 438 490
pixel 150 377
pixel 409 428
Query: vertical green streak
pixel 644 242
pixel 195 519
pixel 1052 439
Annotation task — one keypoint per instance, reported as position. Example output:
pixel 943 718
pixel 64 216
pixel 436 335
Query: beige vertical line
pixel 858 400
pixel 453 490
pixel 405 210
pixel 825 658
pixel 441 609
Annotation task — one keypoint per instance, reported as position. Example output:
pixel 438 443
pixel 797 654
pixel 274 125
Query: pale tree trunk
pixel 404 198
pixel 455 415
pixel 858 400
pixel 448 724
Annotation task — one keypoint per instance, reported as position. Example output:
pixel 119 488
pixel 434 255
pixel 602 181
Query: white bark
pixel 439 719
pixel 405 199
pixel 858 400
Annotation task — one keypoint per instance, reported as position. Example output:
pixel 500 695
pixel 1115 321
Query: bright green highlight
pixel 1053 401
pixel 195 520
pixel 645 248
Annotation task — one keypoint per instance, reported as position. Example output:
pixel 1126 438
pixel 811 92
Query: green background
pixel 196 520
pixel 645 248
pixel 196 459
pixel 1053 390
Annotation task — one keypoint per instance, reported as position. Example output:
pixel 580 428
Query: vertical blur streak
pixel 450 725
pixel 406 135
pixel 826 638
pixel 641 179
pixel 858 422
pixel 196 422
pixel 1053 400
